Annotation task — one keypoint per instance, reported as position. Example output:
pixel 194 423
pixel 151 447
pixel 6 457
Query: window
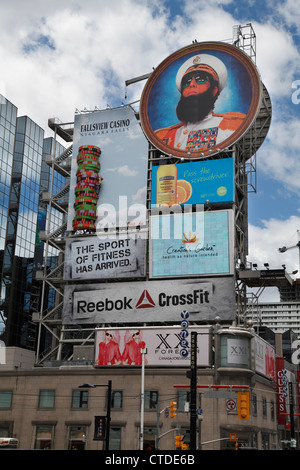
pixel 151 400
pixel 5 399
pixel 47 398
pixel 44 437
pixel 77 437
pixel 254 404
pixel 80 398
pixel 115 438
pixel 264 407
pixel 272 404
pixel 149 438
pixel 183 397
pixel 116 399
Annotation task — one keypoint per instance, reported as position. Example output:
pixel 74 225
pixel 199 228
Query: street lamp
pixel 108 408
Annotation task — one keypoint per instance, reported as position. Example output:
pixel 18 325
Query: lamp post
pixel 108 407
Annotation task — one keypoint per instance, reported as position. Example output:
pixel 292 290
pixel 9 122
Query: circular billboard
pixel 200 100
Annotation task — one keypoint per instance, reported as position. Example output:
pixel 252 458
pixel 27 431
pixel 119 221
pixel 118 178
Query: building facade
pixel 54 407
pixel 278 316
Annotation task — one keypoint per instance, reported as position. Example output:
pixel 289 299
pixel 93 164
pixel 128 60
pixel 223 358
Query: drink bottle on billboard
pixel 166 185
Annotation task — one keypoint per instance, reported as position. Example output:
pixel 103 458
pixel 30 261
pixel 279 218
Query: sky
pixel 61 56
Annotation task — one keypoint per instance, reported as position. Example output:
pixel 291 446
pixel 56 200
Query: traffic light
pixel 173 409
pixel 178 439
pixel 243 405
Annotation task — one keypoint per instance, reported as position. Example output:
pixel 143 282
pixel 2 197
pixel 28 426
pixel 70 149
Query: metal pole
pixel 157 424
pixel 143 352
pixel 291 400
pixel 193 393
pixel 108 415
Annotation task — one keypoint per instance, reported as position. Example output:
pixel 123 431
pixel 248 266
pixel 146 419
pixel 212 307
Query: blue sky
pixel 65 55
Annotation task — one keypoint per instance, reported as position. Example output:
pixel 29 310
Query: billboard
pixel 264 358
pixel 191 244
pixel 200 100
pixel 149 301
pixel 105 257
pixel 194 183
pixel 109 171
pixel 122 347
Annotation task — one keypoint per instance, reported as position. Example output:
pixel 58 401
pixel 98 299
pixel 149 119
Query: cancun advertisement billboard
pixel 200 100
pixel 191 244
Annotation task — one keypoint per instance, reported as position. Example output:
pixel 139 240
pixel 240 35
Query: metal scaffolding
pixel 64 339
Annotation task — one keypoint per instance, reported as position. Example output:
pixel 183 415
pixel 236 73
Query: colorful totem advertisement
pixel 149 301
pixel 105 257
pixel 191 244
pixel 201 182
pixel 122 347
pixel 109 171
pixel 200 100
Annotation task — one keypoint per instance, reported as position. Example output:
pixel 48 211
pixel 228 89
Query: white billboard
pixel 116 193
pixel 122 347
pixel 149 301
pixel 105 257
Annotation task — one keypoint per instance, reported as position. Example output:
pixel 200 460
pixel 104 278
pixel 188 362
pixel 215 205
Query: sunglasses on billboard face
pixel 199 78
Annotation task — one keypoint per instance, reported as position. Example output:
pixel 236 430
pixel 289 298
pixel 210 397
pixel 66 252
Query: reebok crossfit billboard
pixel 200 100
pixel 149 301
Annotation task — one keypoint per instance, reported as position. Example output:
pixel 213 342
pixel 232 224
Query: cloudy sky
pixel 64 55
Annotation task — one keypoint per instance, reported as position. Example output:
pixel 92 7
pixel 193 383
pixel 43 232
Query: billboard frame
pixel 230 272
pixel 256 95
pixel 209 332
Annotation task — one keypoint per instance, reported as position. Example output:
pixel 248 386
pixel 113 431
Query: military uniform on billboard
pixel 202 135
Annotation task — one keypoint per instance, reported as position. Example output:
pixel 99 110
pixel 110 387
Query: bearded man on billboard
pixel 200 81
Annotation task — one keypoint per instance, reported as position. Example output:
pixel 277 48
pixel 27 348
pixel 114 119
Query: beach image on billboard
pixel 192 244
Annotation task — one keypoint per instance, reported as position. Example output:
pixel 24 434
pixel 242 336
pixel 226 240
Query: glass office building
pixel 23 177
pixel 8 122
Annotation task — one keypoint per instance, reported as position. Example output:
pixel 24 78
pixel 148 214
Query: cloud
pixel 266 240
pixel 264 244
pixel 289 11
pixel 123 170
pixel 279 157
pixel 277 59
